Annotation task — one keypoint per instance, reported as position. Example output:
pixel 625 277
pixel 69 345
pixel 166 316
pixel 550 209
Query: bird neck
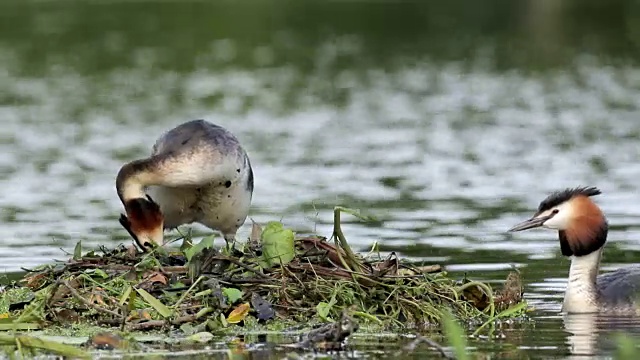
pixel 582 294
pixel 133 177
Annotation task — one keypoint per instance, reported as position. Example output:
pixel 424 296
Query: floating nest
pixel 274 278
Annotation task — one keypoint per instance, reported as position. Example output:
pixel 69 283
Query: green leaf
pixel 132 300
pixel 125 295
pixel 77 251
pixel 160 250
pixel 277 245
pixel 35 310
pixel 456 336
pixel 512 310
pixel 625 346
pixel 97 272
pixel 155 303
pixel 68 351
pixel 201 337
pixel 232 294
pixel 187 242
pixel 205 243
pixel 323 310
pixel 223 320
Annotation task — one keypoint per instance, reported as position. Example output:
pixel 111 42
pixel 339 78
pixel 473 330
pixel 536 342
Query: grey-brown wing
pixel 621 286
pixel 197 134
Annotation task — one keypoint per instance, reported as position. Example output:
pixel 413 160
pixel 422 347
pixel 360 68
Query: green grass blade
pixel 19 326
pixel 125 295
pixel 456 336
pixel 65 350
pixel 155 303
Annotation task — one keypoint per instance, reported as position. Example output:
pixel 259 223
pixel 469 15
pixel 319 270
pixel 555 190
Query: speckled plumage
pixel 197 172
pixel 201 159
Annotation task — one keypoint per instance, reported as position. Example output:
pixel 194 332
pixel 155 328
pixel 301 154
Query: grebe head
pixel 144 221
pixel 582 227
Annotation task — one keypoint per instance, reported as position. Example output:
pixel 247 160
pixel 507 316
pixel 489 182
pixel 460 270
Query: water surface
pixel 447 122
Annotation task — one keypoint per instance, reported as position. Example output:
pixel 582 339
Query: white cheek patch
pixel 559 221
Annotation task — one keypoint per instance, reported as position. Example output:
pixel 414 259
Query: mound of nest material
pixel 274 277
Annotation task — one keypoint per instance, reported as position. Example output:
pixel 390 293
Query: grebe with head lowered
pixel 582 230
pixel 197 172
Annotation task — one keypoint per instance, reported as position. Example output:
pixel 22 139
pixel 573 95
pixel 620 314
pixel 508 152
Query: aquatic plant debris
pixel 277 277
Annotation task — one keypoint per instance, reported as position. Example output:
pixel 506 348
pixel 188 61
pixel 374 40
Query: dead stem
pixel 341 241
pixel 244 266
pixel 80 298
pixel 153 324
pixel 421 339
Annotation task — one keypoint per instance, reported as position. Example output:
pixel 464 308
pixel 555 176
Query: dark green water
pixel 448 121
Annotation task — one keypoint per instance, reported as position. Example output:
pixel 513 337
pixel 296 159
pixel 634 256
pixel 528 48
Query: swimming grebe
pixel 582 230
pixel 197 172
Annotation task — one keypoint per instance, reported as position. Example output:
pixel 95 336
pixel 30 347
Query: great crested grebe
pixel 582 230
pixel 197 172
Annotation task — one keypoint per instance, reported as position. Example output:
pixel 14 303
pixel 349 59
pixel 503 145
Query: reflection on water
pixel 590 333
pixel 447 123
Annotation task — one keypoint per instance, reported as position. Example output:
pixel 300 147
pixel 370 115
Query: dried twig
pixel 421 339
pixel 244 266
pixel 80 298
pixel 152 324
